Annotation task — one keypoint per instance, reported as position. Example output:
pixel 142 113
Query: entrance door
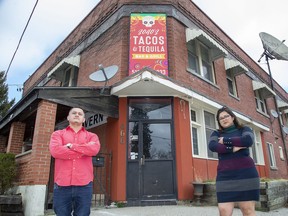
pixel 150 168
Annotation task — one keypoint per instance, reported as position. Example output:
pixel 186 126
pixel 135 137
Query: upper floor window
pixel 231 83
pixel 260 102
pixel 70 77
pixel 261 92
pixel 199 60
pixel 285 116
pixel 281 153
pixel 66 71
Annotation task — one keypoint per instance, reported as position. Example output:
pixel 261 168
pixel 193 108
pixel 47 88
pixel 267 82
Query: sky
pixel 53 20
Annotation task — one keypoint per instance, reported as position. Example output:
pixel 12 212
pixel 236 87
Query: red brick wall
pixel 107 50
pixel 24 169
pixel 16 137
pixel 34 167
pixel 3 141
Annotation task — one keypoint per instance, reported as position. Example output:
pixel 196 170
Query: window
pixel 256 151
pixel 203 123
pixel 210 126
pixel 231 82
pixel 195 131
pixel 286 118
pixel 281 153
pixel 70 77
pixel 199 60
pixel 271 155
pixel 260 102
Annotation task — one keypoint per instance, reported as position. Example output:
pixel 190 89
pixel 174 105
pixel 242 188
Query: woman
pixel 237 178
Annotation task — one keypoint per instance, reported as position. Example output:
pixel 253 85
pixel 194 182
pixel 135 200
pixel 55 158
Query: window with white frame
pixel 260 102
pixel 199 60
pixel 231 82
pixel 256 151
pixel 210 126
pixel 271 155
pixel 195 132
pixel 70 77
pixel 281 153
pixel 199 132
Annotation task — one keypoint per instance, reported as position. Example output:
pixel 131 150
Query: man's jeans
pixel 76 199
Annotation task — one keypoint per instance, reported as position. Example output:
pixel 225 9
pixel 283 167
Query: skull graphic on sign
pixel 148 21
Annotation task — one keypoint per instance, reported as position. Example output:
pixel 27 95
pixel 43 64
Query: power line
pixel 20 39
pixel 19 86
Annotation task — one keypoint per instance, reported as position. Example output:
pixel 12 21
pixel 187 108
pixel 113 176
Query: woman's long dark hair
pixel 229 111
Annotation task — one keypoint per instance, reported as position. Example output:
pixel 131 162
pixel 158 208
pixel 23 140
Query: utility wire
pixel 20 39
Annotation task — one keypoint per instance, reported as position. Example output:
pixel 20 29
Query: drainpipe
pixel 277 109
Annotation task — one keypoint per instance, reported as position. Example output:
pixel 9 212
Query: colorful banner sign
pixel 148 42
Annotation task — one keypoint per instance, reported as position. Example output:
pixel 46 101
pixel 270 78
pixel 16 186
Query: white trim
pixel 192 33
pixel 179 91
pixel 282 105
pixel 236 66
pixel 147 76
pixel 267 91
pixel 74 60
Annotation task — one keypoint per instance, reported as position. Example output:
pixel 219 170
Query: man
pixel 73 148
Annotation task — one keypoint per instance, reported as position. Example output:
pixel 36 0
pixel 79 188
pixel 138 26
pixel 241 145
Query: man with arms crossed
pixel 73 148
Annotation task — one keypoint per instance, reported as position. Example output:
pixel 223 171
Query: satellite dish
pixel 276 48
pixel 285 129
pixel 274 113
pixel 104 74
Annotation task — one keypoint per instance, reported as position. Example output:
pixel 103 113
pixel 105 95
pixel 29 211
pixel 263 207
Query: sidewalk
pixel 175 210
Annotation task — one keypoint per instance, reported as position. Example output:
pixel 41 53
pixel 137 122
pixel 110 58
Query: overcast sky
pixel 53 20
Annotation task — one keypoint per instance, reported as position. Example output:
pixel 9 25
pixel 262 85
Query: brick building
pixel 171 68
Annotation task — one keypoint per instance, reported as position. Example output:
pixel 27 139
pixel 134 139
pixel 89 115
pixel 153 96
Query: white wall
pixel 33 199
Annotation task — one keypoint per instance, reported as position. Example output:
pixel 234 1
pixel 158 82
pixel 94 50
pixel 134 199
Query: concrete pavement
pixel 175 210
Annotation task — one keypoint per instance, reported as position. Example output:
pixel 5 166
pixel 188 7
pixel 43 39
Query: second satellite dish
pixel 104 74
pixel 274 46
pixel 285 129
pixel 274 113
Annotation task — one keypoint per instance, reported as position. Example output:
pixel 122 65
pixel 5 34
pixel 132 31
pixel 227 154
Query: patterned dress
pixel 237 177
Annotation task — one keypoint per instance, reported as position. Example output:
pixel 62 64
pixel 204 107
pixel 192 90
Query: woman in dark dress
pixel 237 178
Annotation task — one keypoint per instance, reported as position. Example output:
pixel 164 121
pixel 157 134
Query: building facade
pixel 166 68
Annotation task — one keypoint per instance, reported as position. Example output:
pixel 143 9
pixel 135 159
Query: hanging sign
pixel 148 42
pixel 94 119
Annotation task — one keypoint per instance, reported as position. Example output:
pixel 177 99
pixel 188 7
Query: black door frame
pixel 141 199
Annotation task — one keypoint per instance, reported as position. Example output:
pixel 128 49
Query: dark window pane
pixel 133 146
pixel 207 71
pixel 195 141
pixel 193 116
pixel 150 108
pixel 157 141
pixel 193 62
pixel 230 86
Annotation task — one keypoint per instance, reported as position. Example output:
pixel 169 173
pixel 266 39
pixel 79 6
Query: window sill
pixel 202 78
pixel 262 113
pixel 234 96
pixel 204 158
pixel 24 153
